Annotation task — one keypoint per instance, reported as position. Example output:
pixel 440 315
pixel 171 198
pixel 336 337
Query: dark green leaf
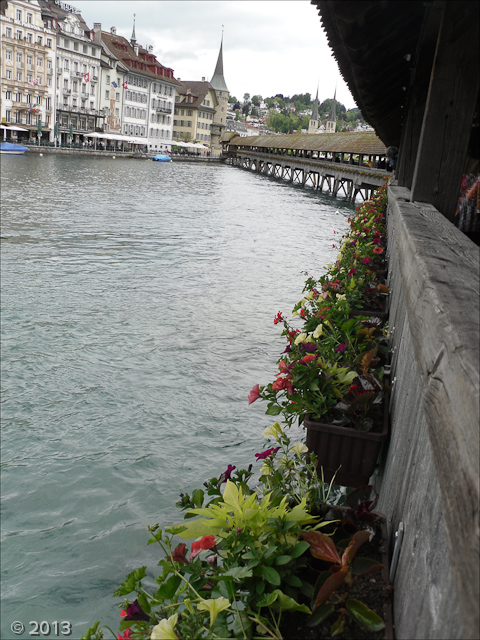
pixel 197 497
pixel 169 588
pixel 300 548
pixel 365 566
pixel 364 616
pixel 271 575
pixel 283 560
pixel 338 625
pixel 320 614
pixel 273 410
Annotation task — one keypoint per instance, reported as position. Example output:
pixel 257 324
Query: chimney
pixel 203 79
pixel 97 32
pixel 113 31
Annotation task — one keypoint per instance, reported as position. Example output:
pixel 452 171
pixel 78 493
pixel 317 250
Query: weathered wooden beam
pixel 437 269
pixel 451 102
pixel 418 91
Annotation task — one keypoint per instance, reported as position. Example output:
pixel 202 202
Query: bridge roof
pixel 357 142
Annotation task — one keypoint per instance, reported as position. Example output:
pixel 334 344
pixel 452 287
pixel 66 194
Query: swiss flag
pixel 86 77
pixel 125 85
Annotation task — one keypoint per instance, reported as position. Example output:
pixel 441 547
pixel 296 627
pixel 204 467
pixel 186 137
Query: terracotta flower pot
pixel 355 452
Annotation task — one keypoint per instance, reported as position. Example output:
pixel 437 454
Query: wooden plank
pixel 439 269
pixel 451 102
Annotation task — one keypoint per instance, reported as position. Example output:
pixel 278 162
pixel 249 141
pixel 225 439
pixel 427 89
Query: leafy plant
pixel 332 588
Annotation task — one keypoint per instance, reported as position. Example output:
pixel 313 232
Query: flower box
pixel 355 452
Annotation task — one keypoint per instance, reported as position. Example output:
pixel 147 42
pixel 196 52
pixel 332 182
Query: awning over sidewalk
pixel 12 128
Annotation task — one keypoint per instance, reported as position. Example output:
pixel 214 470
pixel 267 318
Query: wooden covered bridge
pixel 352 163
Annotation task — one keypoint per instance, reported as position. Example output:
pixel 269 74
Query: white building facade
pixel 27 96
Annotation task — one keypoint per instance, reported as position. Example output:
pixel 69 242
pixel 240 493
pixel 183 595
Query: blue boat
pixel 161 158
pixel 12 149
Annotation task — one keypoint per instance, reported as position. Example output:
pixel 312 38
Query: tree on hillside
pixel 256 100
pixel 232 99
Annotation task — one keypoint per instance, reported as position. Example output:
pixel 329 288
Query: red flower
pixel 179 555
pixel 307 359
pixel 269 453
pixel 254 394
pixel 378 250
pixel 125 635
pixel 278 318
pixel 226 474
pixel 207 542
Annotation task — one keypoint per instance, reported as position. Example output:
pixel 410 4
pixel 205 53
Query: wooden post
pixel 451 102
pixel 418 95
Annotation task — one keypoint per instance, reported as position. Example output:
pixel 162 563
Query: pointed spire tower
pixel 218 81
pixel 220 89
pixel 133 39
pixel 331 123
pixel 313 122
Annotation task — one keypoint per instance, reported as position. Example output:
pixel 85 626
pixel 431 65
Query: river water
pixel 137 312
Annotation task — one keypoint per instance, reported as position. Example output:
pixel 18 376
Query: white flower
pixel 164 630
pixel 300 338
pixel 309 295
pixel 341 296
pixel 274 431
pixel 299 448
pixel 214 607
pixel 265 470
pixel 318 331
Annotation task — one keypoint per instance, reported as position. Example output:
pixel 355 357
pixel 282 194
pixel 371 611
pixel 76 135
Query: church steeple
pixel 331 123
pixel 218 81
pixel 313 122
pixel 133 39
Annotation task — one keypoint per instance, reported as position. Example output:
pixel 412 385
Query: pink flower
pixel 125 635
pixel 366 260
pixel 207 542
pixel 254 394
pixel 341 347
pixel 378 250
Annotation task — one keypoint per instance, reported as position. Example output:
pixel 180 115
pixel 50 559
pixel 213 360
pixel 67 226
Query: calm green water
pixel 137 312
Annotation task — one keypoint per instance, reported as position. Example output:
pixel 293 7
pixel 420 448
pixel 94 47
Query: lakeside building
pixel 146 89
pixel 201 109
pixel 78 64
pixel 28 58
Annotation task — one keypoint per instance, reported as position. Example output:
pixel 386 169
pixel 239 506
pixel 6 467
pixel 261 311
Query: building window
pixel 19 57
pixel 29 18
pixel 18 15
pixel 117 97
pixel 39 40
pixel 8 116
pixel 49 42
pixel 40 61
pixel 107 80
pixel 8 54
pixel 107 94
pixel 19 76
pixel 29 38
pixel 8 74
pixel 8 32
pixel 19 35
pixel 8 95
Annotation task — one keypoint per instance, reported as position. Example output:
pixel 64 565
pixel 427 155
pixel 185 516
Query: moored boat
pixel 161 158
pixel 12 149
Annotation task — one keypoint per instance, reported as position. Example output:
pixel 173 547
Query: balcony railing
pixel 164 109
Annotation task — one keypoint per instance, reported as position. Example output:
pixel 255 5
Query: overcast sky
pixel 268 47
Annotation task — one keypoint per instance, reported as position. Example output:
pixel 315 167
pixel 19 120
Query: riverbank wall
pixel 63 151
pixel 429 480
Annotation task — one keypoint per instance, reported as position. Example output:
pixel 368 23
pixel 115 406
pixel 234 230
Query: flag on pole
pixel 35 81
pixel 114 84
pixel 33 107
pixel 86 77
pixel 125 85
